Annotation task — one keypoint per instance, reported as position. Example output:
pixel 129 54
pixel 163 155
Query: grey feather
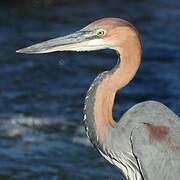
pixel 143 160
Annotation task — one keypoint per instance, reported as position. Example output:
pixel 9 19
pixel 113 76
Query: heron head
pixel 101 34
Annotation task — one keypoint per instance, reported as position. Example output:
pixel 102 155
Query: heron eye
pixel 100 33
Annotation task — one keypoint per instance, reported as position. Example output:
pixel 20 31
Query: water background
pixel 41 96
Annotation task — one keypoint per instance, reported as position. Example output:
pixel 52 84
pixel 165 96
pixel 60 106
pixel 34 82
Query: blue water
pixel 41 96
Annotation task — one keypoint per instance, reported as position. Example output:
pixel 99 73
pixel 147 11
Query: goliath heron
pixel 145 143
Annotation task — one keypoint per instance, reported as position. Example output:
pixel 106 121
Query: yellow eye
pixel 100 33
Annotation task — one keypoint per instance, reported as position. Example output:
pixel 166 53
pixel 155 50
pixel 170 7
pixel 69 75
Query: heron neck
pixel 107 84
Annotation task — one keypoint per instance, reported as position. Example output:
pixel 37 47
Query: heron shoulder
pixel 151 120
pixel 149 111
pixel 162 141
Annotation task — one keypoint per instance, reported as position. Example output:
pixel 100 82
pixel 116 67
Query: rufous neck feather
pixel 130 55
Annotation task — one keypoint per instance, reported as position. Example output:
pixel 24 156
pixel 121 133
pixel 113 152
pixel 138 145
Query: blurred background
pixel 41 96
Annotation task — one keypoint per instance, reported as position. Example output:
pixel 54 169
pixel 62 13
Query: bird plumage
pixel 145 143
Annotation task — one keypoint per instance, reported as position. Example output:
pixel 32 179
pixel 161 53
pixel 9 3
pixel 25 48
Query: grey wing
pixel 157 149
